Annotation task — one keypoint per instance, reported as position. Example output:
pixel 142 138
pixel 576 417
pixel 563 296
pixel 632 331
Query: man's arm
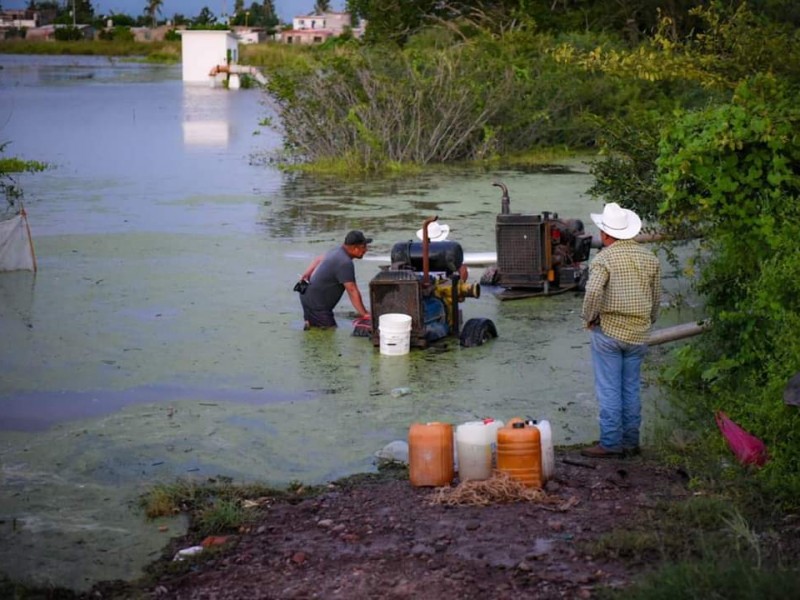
pixel 656 290
pixel 592 300
pixel 311 268
pixel 355 298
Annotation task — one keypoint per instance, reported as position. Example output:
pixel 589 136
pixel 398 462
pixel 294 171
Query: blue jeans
pixel 617 382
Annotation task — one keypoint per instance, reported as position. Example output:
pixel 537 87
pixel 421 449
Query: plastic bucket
pixel 394 330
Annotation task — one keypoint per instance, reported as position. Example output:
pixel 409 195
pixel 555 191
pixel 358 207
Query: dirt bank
pixel 383 538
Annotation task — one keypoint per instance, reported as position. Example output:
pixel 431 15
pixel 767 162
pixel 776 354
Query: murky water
pixel 161 338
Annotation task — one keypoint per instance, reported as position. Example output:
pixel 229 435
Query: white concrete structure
pixel 203 50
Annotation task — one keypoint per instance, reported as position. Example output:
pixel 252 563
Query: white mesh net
pixel 16 245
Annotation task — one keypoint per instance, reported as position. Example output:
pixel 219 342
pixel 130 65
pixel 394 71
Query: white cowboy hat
pixel 436 232
pixel 620 223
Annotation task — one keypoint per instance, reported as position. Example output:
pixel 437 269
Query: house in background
pixel 315 29
pixel 250 35
pixel 18 21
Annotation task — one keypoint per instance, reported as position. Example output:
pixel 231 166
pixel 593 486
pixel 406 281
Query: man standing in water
pixel 327 277
pixel 622 300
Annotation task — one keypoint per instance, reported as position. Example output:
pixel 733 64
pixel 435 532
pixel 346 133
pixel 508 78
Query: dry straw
pixel 499 488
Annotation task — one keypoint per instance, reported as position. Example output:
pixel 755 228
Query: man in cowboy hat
pixel 327 278
pixel 622 300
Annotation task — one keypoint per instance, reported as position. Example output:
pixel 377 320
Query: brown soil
pixel 386 539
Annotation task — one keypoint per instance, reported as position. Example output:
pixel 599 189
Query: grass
pixel 217 505
pixel 711 579
pixel 162 52
pixel 728 541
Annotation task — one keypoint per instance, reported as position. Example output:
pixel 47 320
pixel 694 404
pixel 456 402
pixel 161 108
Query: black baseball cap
pixel 356 238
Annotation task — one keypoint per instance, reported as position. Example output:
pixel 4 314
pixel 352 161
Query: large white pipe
pixel 239 69
pixel 677 332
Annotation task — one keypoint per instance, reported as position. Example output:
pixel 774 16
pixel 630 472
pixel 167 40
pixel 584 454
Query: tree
pixel 322 6
pixel 83 12
pixel 153 7
pixel 206 17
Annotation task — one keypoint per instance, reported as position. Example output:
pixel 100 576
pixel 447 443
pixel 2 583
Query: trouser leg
pixel 607 362
pixel 632 359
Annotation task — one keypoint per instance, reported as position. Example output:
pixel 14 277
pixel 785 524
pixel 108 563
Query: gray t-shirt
pixel 327 282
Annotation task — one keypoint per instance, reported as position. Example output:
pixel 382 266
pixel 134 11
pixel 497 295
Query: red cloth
pixel 747 448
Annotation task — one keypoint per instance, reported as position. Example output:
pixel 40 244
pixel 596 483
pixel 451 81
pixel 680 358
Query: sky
pixel 286 9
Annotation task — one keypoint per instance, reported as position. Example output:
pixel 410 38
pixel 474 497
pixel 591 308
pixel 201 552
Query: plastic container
pixel 548 454
pixel 394 330
pixel 430 454
pixel 494 426
pixel 474 448
pixel 519 453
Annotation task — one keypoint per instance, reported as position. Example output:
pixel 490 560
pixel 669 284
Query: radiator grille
pixel 397 292
pixel 520 250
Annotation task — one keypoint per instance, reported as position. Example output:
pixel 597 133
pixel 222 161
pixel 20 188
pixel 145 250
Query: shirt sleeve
pixel 595 287
pixel 656 299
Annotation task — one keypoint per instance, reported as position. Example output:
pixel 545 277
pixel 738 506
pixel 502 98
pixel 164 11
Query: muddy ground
pixel 382 538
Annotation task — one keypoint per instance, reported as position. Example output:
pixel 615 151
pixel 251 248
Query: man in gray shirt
pixel 327 278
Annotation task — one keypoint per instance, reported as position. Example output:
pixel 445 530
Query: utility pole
pixel 74 14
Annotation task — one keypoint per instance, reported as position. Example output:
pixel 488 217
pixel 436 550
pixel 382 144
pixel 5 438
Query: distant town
pixel 51 21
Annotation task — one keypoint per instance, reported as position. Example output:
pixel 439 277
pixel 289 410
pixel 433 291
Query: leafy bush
pixel 119 33
pixel 68 34
pixel 733 171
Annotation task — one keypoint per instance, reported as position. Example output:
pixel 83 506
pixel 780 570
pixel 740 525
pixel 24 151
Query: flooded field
pixel 161 337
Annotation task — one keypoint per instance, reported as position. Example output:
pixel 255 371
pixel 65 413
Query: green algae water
pixel 161 337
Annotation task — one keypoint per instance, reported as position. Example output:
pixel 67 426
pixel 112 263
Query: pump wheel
pixel 477 332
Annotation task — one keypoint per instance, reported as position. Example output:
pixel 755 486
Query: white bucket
pixel 394 330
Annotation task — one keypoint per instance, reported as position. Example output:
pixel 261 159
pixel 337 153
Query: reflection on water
pixel 164 339
pixel 16 300
pixel 202 125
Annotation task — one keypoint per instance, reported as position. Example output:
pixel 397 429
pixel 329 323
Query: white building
pixel 204 50
pixel 315 29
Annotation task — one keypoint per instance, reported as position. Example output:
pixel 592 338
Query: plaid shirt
pixel 623 292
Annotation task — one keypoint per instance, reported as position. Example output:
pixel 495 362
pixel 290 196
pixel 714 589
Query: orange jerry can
pixel 430 454
pixel 519 453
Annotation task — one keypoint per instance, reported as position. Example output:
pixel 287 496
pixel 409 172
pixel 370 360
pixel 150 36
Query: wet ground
pixel 387 539
pixel 161 338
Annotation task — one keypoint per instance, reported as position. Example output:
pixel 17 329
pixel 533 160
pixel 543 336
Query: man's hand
pixel 301 286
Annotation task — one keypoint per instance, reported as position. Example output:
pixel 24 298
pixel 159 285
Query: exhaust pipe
pixel 505 201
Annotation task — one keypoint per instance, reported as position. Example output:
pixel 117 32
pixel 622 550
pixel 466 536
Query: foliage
pixel 450 94
pixel 378 105
pixel 222 515
pixel 205 17
pixel 216 505
pixel 10 167
pixel 712 578
pixel 733 171
pixel 83 14
pixel 152 9
pixel 723 161
pixel 119 33
pixel 68 34
pixel 632 20
pixel 257 15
